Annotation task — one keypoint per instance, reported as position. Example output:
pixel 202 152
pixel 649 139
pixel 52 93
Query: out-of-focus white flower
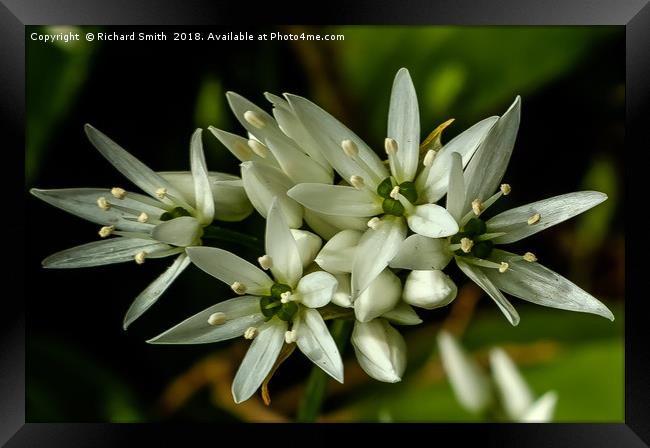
pixel 172 217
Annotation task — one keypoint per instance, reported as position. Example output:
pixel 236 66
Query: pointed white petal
pixel 433 221
pixel 516 396
pixel 259 359
pixel 286 264
pixel 263 183
pixel 381 296
pixel 202 187
pixel 329 225
pixel 480 277
pixel 456 194
pixel 149 296
pixel 315 341
pixel 295 163
pixel 422 253
pixel 538 284
pixel 329 133
pixel 82 202
pixel 429 289
pixel 402 314
pixel 469 383
pixel 432 184
pixel 486 169
pixel 404 127
pixel 542 410
pixel 308 245
pixel 99 253
pixel 134 170
pixel 316 289
pixel 229 268
pixel 375 250
pixel 380 350
pixel 337 255
pixel 336 199
pixel 241 105
pixel 551 211
pixel 342 296
pixel 238 146
pixel 183 231
pixel 240 313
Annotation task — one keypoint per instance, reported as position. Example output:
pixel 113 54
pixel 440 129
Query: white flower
pixel 393 198
pixel 380 350
pixel 279 154
pixel 267 306
pixel 475 392
pixel 171 218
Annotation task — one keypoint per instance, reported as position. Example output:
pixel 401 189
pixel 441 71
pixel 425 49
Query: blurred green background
pixel 150 96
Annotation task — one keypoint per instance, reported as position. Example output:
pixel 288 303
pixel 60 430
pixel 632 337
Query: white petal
pixel 552 211
pixel 429 289
pixel 315 341
pixel 329 225
pixel 433 221
pixel 99 253
pixel 151 294
pixel 381 296
pixel 380 350
pixel 263 183
pixel 432 184
pixel 241 105
pixel 308 245
pixel 480 277
pixel 241 313
pixel 202 188
pixel 238 146
pixel 404 127
pixel 486 169
pixel 402 314
pixel 286 264
pixel 259 359
pixel 134 170
pixel 469 383
pixel 456 194
pixel 82 202
pixel 329 133
pixel 316 289
pixel 542 410
pixel 516 396
pixel 538 284
pixel 375 250
pixel 342 296
pixel 337 255
pixel 337 199
pixel 229 268
pixel 183 231
pixel 295 163
pixel 422 253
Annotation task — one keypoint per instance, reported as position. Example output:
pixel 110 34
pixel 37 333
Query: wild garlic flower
pixel 391 198
pixel 171 218
pixel 475 391
pixel 279 154
pixel 267 306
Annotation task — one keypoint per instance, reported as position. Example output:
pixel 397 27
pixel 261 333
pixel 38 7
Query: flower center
pixel 468 238
pixel 391 204
pixel 274 305
pixel 176 212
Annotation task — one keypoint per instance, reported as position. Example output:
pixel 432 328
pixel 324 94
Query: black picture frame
pixel 16 14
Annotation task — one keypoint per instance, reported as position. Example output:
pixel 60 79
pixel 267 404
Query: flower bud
pixel 380 350
pixel 379 297
pixel 429 289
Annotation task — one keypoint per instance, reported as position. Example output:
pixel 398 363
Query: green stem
pixel 216 233
pixel 316 384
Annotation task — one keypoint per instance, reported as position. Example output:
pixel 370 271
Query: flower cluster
pixel 348 235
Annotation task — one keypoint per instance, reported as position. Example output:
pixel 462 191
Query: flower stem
pixel 217 233
pixel 315 390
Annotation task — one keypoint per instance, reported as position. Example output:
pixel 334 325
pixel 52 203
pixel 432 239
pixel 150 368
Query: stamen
pixel 250 333
pixel 103 203
pixel 390 145
pixel 161 193
pixel 254 119
pixel 428 157
pixel 466 245
pixel 349 148
pixel 534 219
pixel 118 192
pixel 239 288
pixel 258 148
pixel 374 223
pixel 505 189
pixel 504 267
pixel 394 193
pixel 477 206
pixel 530 257
pixel 265 262
pixel 106 231
pixel 140 256
pixel 285 297
pixel 357 182
pixel 143 217
pixel 290 336
pixel 217 318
